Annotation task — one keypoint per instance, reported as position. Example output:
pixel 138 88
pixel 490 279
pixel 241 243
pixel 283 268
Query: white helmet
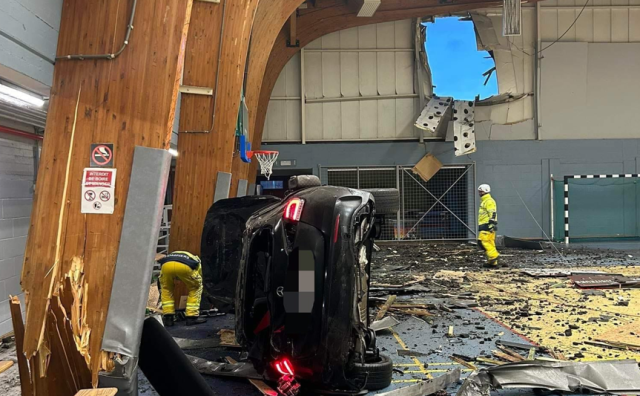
pixel 485 188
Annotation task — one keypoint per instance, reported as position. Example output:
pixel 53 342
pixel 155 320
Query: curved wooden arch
pixel 317 22
pixel 270 18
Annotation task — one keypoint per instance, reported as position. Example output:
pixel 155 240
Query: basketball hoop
pixel 266 159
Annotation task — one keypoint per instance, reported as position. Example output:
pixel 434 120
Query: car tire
pixel 387 200
pixel 375 373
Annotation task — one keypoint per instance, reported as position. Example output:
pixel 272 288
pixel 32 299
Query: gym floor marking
pixel 415 360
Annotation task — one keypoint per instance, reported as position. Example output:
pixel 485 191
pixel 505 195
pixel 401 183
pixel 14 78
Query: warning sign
pixel 97 190
pixel 102 155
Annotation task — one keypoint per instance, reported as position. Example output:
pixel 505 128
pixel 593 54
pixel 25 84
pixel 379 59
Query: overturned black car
pixel 297 272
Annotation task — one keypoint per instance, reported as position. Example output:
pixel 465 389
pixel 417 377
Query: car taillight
pixel 284 367
pixel 293 210
pixel 337 229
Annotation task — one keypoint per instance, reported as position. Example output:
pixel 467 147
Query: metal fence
pixel 443 208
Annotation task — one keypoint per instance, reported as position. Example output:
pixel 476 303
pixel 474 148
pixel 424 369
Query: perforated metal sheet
pixel 464 137
pixel 433 116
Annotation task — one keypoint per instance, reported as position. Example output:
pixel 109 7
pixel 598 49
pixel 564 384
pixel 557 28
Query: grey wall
pixel 510 167
pixel 16 197
pixel 28 41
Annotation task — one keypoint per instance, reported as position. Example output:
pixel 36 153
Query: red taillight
pixel 337 229
pixel 293 210
pixel 284 367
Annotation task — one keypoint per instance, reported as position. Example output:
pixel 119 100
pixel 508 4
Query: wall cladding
pixel 358 68
pixel 28 39
pixel 16 196
pixel 590 90
pixel 510 167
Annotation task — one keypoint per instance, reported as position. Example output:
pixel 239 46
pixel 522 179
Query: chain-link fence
pixel 443 208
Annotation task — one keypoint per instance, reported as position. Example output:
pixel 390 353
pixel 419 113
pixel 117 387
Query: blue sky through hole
pixel 456 64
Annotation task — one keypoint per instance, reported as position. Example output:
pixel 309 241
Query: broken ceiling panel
pixel 434 117
pixel 486 37
pixel 464 137
pixel 424 79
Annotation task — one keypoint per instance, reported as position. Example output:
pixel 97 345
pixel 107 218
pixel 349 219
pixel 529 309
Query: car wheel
pixel 375 373
pixel 387 200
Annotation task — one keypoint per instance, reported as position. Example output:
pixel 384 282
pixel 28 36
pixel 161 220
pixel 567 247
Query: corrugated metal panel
pixel 332 121
pixel 386 118
pixel 294 120
pixel 599 24
pixel 403 34
pixel 313 75
pixel 350 112
pixel 405 75
pixel 344 74
pixel 276 124
pixel 293 76
pixel 313 125
pixel 405 117
pixel 368 119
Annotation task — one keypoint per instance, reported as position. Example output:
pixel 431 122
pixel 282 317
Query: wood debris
pixel 450 332
pixel 417 279
pixel 489 361
pixel 511 353
pixel 463 363
pixel 261 386
pixel 98 392
pixel 413 311
pixel 383 310
pixel 228 338
pixel 506 357
pixel 5 365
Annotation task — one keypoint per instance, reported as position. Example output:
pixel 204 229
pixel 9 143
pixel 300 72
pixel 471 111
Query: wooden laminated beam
pixel 128 101
pixel 327 17
pixel 271 17
pixel 206 147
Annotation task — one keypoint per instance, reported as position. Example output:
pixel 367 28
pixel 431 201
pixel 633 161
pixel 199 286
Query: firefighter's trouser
pixel 488 241
pixel 191 278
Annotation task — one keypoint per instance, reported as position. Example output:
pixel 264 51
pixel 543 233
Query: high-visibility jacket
pixel 488 213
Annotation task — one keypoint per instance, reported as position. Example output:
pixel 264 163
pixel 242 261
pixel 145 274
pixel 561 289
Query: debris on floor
pixel 429 387
pixel 604 377
pixel 228 338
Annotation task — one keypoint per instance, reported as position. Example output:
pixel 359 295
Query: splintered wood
pixel 70 257
pixel 98 392
pixel 261 386
pixel 5 365
pixel 383 310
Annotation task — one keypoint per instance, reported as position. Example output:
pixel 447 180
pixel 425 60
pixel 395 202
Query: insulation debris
pixel 384 324
pixel 427 387
pixel 228 338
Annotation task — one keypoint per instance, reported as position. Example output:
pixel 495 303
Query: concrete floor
pixel 481 332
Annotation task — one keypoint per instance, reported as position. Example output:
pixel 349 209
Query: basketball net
pixel 266 161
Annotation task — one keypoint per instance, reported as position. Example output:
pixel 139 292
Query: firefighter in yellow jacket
pixel 186 267
pixel 488 225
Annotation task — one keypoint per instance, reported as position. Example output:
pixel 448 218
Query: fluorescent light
pixel 21 95
pixel 173 152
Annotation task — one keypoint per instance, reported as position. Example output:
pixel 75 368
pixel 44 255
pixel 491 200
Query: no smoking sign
pixel 102 155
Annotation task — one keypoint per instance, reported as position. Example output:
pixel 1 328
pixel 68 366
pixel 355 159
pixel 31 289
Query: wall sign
pixel 102 155
pixel 98 187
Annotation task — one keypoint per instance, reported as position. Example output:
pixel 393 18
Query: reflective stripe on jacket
pixel 186 258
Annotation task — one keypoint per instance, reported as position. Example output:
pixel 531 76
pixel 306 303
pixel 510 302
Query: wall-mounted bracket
pixel 187 89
